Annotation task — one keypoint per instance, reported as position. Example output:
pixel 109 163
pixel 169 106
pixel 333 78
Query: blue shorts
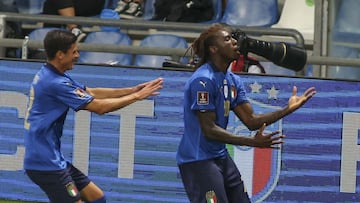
pixel 61 186
pixel 217 179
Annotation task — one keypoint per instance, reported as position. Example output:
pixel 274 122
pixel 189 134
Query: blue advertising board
pixel 130 153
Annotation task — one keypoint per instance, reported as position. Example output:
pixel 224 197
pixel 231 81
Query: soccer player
pixel 52 93
pixel 207 171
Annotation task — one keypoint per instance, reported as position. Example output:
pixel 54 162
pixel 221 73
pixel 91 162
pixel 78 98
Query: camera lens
pixel 282 54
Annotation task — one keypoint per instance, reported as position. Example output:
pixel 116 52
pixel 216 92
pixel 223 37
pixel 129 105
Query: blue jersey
pixel 51 95
pixel 207 90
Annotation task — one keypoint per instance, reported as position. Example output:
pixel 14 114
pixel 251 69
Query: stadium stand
pixel 217 4
pixel 344 31
pixel 30 6
pixel 106 37
pixel 109 14
pixel 39 35
pixel 346 34
pixel 149 9
pixel 299 15
pixel 251 13
pixel 160 40
pixel 345 72
pixel 347 24
pixel 111 4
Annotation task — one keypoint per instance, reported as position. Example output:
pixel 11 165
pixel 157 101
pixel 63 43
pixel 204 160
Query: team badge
pixel 210 197
pixel 80 92
pixel 202 98
pixel 71 189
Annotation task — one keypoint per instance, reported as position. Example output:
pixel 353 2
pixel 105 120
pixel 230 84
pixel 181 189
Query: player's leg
pixel 58 185
pixel 92 194
pixel 203 181
pixel 235 188
pixel 88 190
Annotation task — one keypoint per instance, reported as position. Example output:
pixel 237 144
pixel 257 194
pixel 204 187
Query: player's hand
pixel 149 88
pixel 267 140
pixel 142 85
pixel 296 102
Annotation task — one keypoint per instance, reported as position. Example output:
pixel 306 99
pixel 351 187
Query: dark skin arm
pixel 254 121
pixel 214 132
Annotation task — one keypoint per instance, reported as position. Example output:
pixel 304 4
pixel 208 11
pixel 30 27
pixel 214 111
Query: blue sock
pixel 101 200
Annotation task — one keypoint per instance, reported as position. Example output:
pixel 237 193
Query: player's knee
pixel 101 200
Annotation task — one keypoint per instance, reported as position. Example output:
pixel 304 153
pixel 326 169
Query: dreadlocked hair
pixel 200 47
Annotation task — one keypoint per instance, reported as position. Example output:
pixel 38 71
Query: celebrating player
pixel 52 93
pixel 207 171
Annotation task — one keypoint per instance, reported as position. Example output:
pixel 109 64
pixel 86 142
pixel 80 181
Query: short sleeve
pixel 202 94
pixel 73 94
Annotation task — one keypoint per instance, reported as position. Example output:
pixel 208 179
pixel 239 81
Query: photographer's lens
pixel 281 54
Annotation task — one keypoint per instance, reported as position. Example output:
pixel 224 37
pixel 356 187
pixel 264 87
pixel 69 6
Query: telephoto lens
pixel 282 54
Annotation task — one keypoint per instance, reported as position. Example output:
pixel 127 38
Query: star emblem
pixel 272 93
pixel 255 87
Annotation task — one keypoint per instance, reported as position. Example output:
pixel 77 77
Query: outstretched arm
pixel 108 100
pixel 103 92
pixel 254 121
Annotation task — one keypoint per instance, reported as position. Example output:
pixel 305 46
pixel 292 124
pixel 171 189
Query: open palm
pixel 296 102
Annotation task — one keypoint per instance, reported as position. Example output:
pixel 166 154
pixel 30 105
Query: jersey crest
pixel 71 189
pixel 202 98
pixel 80 92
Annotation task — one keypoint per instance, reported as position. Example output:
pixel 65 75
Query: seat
pixel 38 34
pixel 30 6
pixel 163 41
pixel 262 13
pixel 345 39
pixel 343 72
pixel 149 9
pixel 109 14
pixel 299 15
pixel 347 24
pixel 106 37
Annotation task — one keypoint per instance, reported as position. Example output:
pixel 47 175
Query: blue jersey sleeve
pixel 73 94
pixel 202 92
